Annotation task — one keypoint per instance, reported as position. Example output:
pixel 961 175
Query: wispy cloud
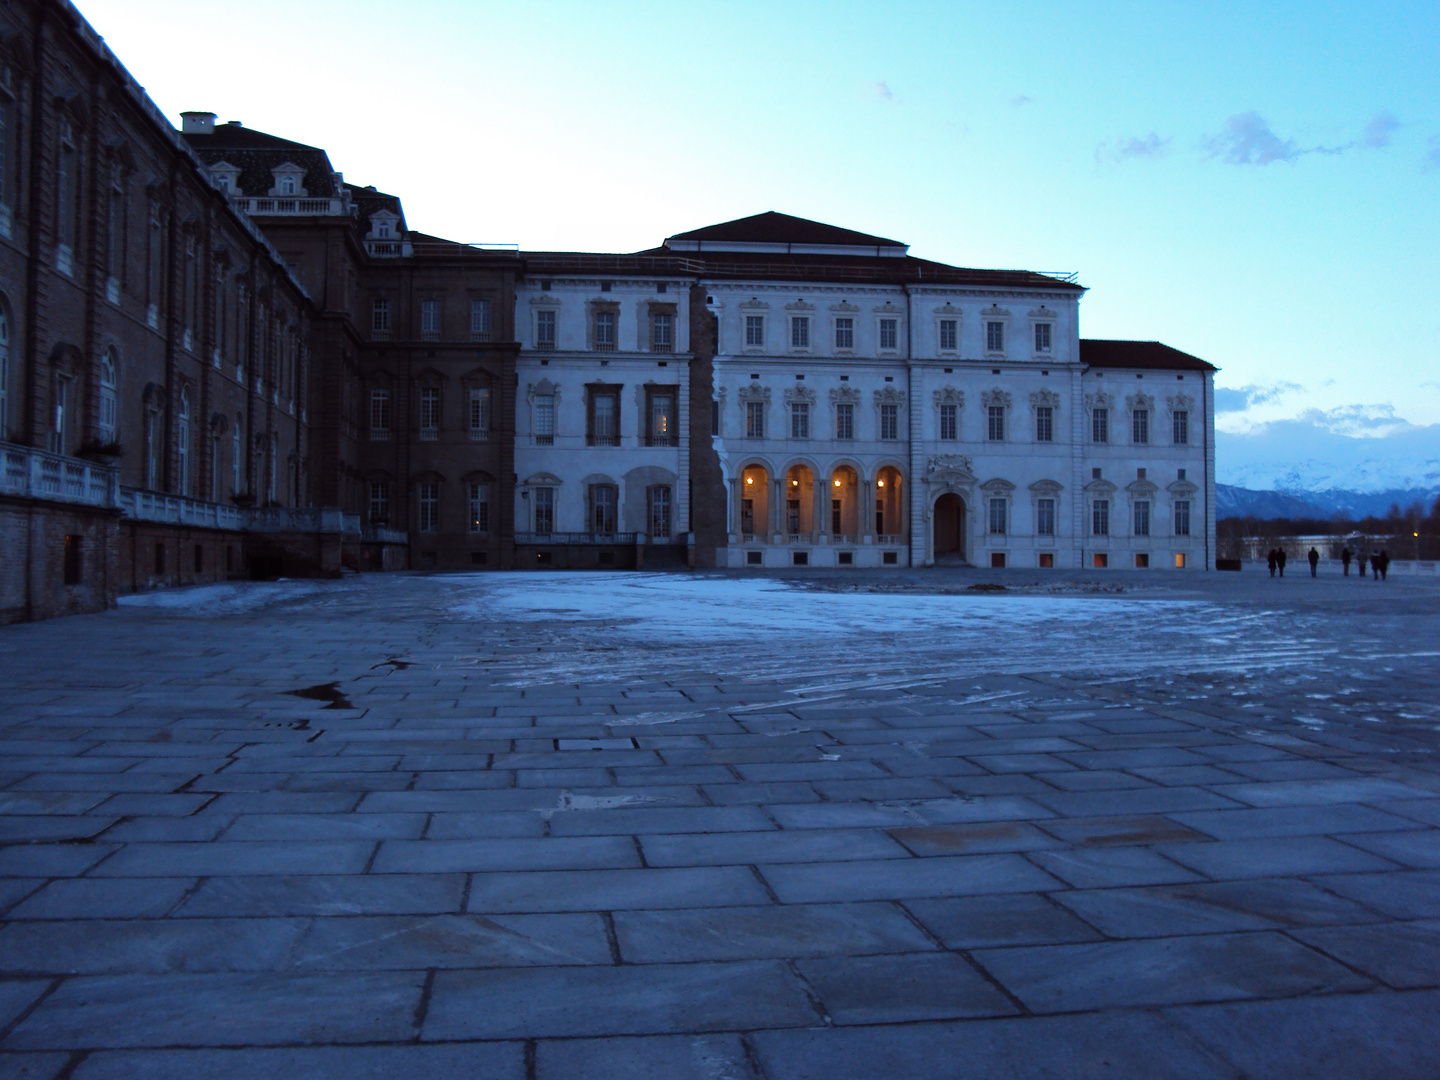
pixel 883 92
pixel 1248 140
pixel 1378 131
pixel 1020 100
pixel 1432 154
pixel 1357 419
pixel 1240 398
pixel 1142 146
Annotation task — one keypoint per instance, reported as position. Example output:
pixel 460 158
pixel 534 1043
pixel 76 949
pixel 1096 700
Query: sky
pixel 1256 184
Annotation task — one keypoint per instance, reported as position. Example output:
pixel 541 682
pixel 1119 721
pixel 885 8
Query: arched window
pixel 108 368
pixel 182 442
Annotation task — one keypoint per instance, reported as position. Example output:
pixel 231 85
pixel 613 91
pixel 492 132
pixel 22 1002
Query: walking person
pixel 1384 565
pixel 1280 558
pixel 1345 556
pixel 1270 561
pixel 1363 559
pixel 1314 558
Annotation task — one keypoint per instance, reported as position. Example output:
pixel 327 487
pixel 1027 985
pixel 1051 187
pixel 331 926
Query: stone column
pixel 820 511
pixel 777 499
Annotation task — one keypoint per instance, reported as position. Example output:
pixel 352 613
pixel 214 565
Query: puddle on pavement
pixel 327 692
pixel 394 663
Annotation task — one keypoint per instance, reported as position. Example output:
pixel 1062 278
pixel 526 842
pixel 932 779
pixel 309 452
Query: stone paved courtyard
pixel 632 825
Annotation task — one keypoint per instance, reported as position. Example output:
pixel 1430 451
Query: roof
pixel 774 228
pixel 256 153
pixel 1148 355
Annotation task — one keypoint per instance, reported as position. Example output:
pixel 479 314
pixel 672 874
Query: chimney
pixel 197 123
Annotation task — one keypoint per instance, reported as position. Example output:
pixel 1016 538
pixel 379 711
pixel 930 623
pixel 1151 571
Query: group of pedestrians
pixel 1379 562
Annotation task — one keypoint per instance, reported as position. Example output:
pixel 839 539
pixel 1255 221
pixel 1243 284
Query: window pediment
pixel 1142 489
pixel 995 311
pixel 1182 488
pixel 290 180
pixel 1047 398
pixel 543 479
pixel 754 305
pixel 1140 401
pixel 754 392
pixel 889 396
pixel 844 307
pixel 1099 400
pixel 799 306
pixel 997 486
pixel 1100 487
pixel 431 377
pixel 995 397
pixel 1181 403
pixel 845 395
pixel 800 393
pixel 951 469
pixel 949 395
pixel 1047 488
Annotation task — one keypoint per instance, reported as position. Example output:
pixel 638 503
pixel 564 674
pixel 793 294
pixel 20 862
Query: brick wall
pixel 33 560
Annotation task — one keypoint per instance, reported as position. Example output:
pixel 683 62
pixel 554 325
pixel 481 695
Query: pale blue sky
pixel 1256 184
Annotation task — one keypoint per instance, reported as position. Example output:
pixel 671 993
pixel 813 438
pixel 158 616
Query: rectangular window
pixel 479 508
pixel 1180 424
pixel 662 332
pixel 949 338
pixel 1182 517
pixel 1140 426
pixel 799 420
pixel 889 421
pixel 660 501
pixel 800 332
pixel 792 516
pixel 844 420
pixel 1042 337
pixel 430 412
pixel 604 418
pixel 545 329
pixel 479 320
pixel 1142 518
pixel 1100 517
pixel 754 419
pixel 1045 517
pixel 995 416
pixel 380 320
pixel 544 419
pixel 544 500
pixel 605 331
pixel 837 516
pixel 662 420
pixel 430 320
pixel 603 498
pixel 949 421
pixel 1100 426
pixel 844 333
pixel 429 507
pixel 754 331
pixel 379 503
pixel 379 414
pixel 747 516
pixel 889 334
pixel 997 517
pixel 479 413
pixel 994 337
pixel 1044 423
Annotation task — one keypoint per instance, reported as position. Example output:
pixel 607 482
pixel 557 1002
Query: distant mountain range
pixel 1333 502
pixel 1299 469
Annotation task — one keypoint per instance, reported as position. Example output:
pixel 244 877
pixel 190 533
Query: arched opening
pixel 889 505
pixel 844 520
pixel 949 519
pixel 799 501
pixel 754 505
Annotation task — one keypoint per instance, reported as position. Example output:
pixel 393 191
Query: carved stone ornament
pixel 800 393
pixel 949 311
pixel 996 397
pixel 541 389
pixel 754 392
pixel 844 306
pixel 1042 312
pixel 1140 401
pixel 1047 398
pixel 1046 489
pixel 942 467
pixel 948 395
pixel 1099 400
pixel 1182 489
pixel 997 486
pixel 845 395
pixel 1142 489
pixel 799 305
pixel 1181 403
pixel 889 396
pixel 995 311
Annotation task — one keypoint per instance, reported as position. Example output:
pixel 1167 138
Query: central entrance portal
pixel 949 519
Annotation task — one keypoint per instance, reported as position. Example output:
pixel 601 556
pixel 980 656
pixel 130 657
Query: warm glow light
pixel 837 483
pixel 879 483
pixel 749 479
pixel 794 483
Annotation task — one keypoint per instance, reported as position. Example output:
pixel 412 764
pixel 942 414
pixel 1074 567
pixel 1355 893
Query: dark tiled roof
pixel 255 153
pixel 367 201
pixel 1150 355
pixel 865 269
pixel 773 228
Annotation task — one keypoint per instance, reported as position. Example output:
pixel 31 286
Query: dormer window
pixel 382 230
pixel 287 185
pixel 289 180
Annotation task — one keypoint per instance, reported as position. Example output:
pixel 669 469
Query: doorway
pixel 949 519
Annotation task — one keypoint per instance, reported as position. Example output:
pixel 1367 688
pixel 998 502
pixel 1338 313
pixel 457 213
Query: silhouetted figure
pixel 1363 560
pixel 1270 561
pixel 1382 563
pixel 1280 558
pixel 1345 556
pixel 1314 558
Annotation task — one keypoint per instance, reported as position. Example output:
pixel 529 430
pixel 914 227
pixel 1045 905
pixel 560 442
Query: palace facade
pixel 218 358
